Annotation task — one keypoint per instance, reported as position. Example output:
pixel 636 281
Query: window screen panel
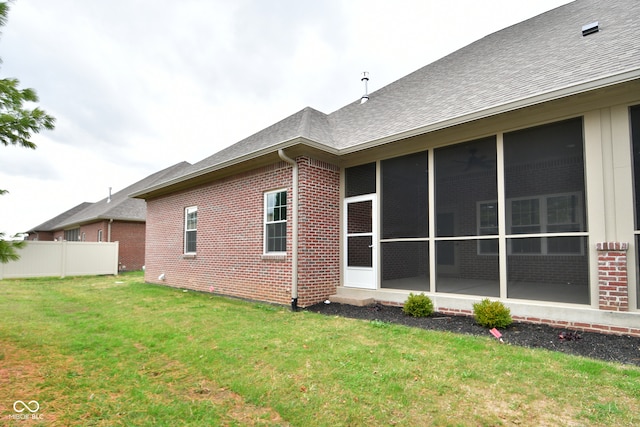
pixel 542 164
pixel 277 237
pixel 360 180
pixel 190 244
pixel 466 179
pixel 405 196
pixel 359 253
pixel 405 265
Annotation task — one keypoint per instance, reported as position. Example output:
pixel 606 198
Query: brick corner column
pixel 612 276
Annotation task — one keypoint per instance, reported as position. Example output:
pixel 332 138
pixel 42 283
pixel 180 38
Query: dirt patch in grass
pixel 21 379
pixel 238 411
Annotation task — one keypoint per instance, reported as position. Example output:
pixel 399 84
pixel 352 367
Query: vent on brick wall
pixel 590 28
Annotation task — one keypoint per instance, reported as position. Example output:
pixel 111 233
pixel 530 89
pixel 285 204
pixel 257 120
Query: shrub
pixel 492 314
pixel 418 305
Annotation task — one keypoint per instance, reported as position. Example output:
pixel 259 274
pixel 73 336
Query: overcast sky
pixel 139 85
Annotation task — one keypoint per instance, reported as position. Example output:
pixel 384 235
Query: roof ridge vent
pixel 364 77
pixel 590 28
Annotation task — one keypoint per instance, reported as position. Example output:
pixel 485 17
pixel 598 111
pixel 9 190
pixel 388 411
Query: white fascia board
pixel 501 108
pixel 555 94
pixel 235 161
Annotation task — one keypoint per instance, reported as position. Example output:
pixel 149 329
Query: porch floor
pixel 554 292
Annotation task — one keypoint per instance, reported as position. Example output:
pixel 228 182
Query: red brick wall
pixel 91 231
pixel 43 236
pixel 131 236
pixel 229 257
pixel 319 231
pixel 612 276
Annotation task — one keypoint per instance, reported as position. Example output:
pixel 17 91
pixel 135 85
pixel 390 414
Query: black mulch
pixel 614 348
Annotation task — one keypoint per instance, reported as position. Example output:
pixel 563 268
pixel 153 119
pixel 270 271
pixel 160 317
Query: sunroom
pixel 512 215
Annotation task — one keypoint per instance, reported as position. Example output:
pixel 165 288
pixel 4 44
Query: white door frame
pixel 364 277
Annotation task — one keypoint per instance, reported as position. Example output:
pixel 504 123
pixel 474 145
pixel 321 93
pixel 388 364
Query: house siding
pixel 582 148
pixel 229 257
pixel 131 236
pixel 229 248
pixel 90 231
pixel 319 229
pixel 44 236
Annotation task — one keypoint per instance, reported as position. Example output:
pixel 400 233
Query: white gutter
pixel 236 161
pixel 109 230
pixel 494 110
pixel 489 111
pixel 294 229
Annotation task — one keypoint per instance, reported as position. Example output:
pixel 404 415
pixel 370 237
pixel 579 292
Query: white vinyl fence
pixel 43 259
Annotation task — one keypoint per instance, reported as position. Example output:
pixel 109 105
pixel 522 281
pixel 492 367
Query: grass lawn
pixel 110 351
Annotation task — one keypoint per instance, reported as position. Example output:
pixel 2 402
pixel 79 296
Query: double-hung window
pixel 72 235
pixel 275 221
pixel 525 219
pixel 190 229
pixel 488 226
pixel 554 213
pixel 547 214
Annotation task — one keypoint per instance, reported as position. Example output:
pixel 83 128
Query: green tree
pixel 8 249
pixel 17 124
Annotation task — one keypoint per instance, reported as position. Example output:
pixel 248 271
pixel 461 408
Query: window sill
pixel 189 256
pixel 274 257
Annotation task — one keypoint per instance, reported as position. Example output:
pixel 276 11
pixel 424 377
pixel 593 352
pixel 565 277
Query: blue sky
pixel 139 85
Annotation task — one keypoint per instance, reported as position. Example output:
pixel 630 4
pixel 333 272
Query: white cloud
pixel 139 85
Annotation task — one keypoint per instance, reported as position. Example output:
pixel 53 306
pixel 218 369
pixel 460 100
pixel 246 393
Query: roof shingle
pixel 541 55
pixel 121 207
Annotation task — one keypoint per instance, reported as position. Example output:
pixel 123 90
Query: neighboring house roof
pixel 52 224
pixel 118 207
pixel 537 60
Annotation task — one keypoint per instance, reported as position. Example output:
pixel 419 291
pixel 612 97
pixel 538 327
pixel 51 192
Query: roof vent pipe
pixel 109 198
pixel 365 78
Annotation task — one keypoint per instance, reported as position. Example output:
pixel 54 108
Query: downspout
pixel 109 230
pixel 294 230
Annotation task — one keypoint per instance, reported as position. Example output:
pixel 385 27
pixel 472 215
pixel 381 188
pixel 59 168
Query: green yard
pixel 108 351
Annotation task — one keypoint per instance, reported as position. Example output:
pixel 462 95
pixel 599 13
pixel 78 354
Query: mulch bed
pixel 612 348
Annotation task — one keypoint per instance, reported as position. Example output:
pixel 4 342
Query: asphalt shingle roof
pixel 536 56
pixel 51 224
pixel 308 123
pixel 542 55
pixel 120 207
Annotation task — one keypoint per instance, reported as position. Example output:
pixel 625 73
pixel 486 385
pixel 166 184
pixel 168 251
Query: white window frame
pixel 493 236
pixel 267 222
pixel 187 211
pixel 543 224
pixel 72 235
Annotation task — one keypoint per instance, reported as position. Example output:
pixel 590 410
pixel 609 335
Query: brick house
pixel 507 169
pixel 114 218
